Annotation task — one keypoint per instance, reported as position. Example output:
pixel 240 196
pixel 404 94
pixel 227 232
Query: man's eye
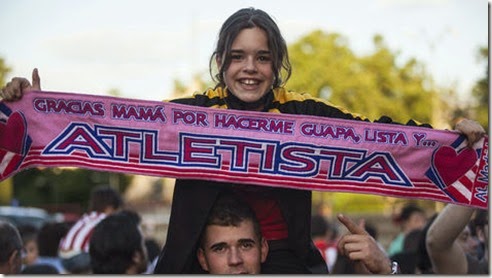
pixel 247 245
pixel 218 249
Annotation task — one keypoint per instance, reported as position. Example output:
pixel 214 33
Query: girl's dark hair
pixel 250 18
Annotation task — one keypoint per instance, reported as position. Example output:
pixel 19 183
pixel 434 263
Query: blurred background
pixel 421 59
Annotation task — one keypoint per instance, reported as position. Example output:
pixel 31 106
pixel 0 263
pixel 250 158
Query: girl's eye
pixel 264 58
pixel 236 56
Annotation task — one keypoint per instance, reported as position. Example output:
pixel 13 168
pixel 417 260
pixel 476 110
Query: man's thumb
pixel 36 81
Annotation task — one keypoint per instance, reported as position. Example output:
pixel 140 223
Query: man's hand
pixel 16 88
pixel 361 248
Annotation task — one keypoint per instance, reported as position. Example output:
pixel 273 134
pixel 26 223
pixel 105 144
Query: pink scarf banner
pixel 53 129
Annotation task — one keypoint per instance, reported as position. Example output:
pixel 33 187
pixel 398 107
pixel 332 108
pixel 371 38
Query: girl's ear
pixel 218 61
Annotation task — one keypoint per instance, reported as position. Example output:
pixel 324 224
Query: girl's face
pixel 32 252
pixel 249 75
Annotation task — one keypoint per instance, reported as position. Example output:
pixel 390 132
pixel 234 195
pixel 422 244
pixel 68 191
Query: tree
pixel 375 84
pixel 5 186
pixel 480 91
pixel 372 85
pixel 62 186
pixel 4 70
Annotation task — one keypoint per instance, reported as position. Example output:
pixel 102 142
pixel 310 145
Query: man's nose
pixel 235 257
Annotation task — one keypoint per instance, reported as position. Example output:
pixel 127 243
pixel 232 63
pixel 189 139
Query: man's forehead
pixel 229 234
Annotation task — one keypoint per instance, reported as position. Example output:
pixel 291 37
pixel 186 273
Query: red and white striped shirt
pixel 77 238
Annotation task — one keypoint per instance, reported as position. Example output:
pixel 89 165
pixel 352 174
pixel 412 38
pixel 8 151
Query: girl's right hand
pixel 15 89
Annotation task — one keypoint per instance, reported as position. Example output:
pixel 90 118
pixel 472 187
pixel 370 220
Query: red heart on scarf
pixel 451 165
pixel 12 133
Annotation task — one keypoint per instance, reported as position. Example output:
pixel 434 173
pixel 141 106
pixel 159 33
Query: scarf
pixel 54 129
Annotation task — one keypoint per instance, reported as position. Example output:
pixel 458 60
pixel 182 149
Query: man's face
pixel 468 242
pixel 232 250
pixel 416 221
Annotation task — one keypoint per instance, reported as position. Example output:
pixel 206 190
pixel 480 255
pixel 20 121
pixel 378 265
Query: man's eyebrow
pixel 246 240
pixel 218 244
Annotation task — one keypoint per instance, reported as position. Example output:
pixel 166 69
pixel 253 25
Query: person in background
pixel 231 242
pixel 468 242
pixel 322 235
pixel 477 226
pixel 29 234
pixel 74 247
pixel 445 251
pixel 117 245
pixel 43 269
pixel 411 217
pixel 153 250
pixel 407 258
pixel 10 249
pixel 49 237
pixel 252 68
pixel 360 253
pixel 424 264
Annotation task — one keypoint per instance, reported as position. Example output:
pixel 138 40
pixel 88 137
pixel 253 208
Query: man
pixel 74 247
pixel 48 238
pixel 412 217
pixel 322 233
pixel 231 242
pixel 362 251
pixel 10 249
pixel 117 245
pixel 443 244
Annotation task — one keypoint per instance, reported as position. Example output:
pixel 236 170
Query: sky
pixel 140 46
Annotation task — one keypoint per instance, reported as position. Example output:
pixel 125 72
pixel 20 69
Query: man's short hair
pixel 408 210
pixel 114 242
pixel 103 196
pixel 230 210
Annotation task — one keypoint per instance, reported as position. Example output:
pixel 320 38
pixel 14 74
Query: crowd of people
pixel 266 229
pixel 452 241
pixel 108 239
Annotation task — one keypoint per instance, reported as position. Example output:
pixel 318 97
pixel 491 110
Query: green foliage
pixel 38 187
pixel 480 92
pixel 200 82
pixel 114 92
pixel 372 85
pixel 4 70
